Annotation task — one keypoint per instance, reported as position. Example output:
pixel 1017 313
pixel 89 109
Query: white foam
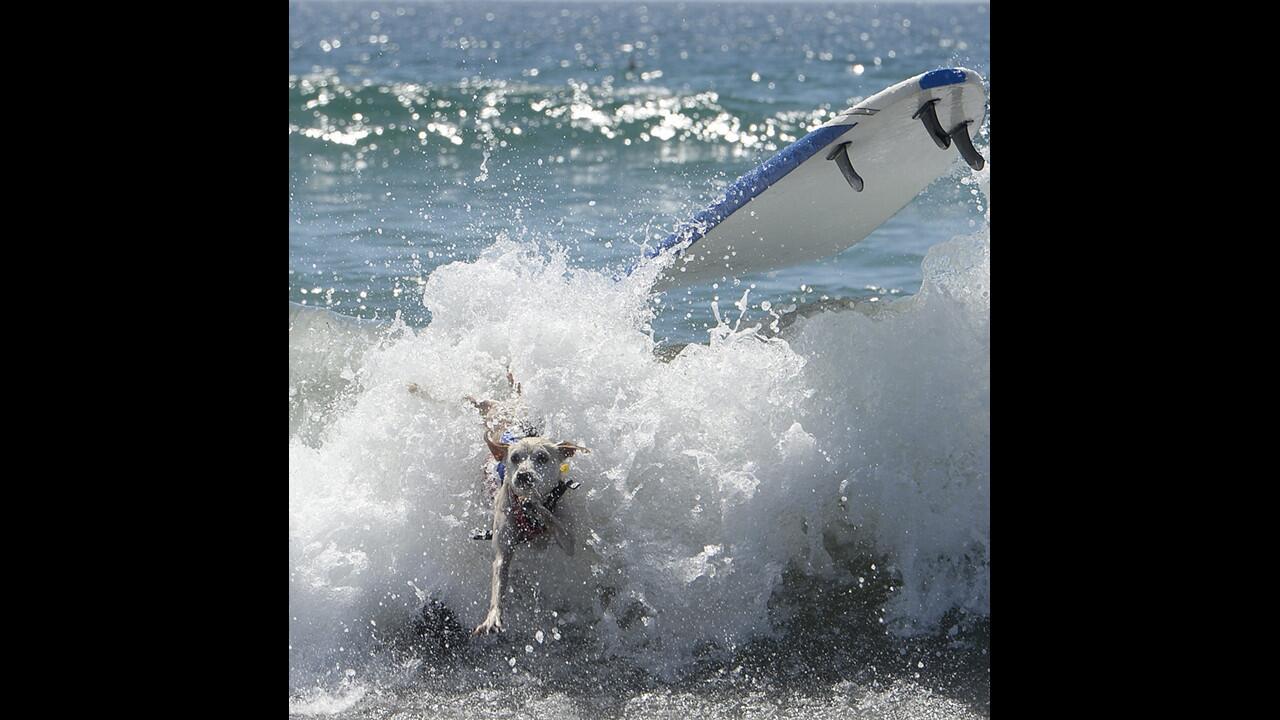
pixel 708 475
pixel 317 701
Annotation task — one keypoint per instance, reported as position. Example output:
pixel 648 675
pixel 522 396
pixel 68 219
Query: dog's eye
pixel 541 458
pixel 515 458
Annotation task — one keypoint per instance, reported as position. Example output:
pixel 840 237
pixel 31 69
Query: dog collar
pixel 528 525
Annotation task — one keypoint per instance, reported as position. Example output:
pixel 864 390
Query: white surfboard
pixel 802 205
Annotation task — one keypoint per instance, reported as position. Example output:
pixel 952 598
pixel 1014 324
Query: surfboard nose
pixel 797 206
pixel 941 77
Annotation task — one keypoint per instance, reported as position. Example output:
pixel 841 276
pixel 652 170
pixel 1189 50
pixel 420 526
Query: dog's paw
pixel 491 624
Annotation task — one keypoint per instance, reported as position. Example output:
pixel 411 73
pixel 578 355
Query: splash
pixel 714 474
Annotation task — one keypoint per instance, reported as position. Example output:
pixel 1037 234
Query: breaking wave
pixel 844 447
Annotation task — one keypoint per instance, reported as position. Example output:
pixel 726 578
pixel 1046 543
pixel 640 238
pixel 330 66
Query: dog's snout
pixel 524 477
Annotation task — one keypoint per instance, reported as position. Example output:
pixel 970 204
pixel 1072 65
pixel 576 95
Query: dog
pixel 525 479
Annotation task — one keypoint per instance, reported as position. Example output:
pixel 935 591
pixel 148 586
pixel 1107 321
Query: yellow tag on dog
pixel 564 468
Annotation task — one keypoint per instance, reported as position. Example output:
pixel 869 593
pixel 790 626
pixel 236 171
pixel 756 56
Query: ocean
pixel 786 510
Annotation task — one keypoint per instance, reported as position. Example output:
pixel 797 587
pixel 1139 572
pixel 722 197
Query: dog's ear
pixel 499 449
pixel 567 449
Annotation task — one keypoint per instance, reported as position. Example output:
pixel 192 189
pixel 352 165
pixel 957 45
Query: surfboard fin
pixel 929 116
pixel 960 134
pixel 840 154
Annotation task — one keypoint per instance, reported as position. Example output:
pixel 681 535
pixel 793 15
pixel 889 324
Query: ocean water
pixel 786 510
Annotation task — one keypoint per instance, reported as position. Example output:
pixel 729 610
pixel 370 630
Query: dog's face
pixel 532 463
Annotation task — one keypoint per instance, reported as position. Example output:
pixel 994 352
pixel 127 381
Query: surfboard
pixel 834 186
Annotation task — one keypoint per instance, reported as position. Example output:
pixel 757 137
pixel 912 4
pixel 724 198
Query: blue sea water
pixel 789 521
pixel 420 132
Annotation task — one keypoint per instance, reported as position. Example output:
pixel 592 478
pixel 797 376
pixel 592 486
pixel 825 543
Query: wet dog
pixel 525 478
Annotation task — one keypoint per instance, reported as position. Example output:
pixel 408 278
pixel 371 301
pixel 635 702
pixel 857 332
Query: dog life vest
pixel 528 526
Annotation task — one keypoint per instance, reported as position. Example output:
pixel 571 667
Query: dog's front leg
pixel 502 551
pixel 501 564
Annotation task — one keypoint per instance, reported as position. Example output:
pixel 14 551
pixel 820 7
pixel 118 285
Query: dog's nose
pixel 524 477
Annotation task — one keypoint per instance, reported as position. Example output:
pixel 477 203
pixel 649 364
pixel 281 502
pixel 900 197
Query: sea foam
pixel 710 474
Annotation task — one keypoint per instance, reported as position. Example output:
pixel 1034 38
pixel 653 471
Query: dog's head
pixel 532 463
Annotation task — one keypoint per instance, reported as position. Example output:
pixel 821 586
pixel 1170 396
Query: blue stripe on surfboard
pixel 940 77
pixel 747 187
